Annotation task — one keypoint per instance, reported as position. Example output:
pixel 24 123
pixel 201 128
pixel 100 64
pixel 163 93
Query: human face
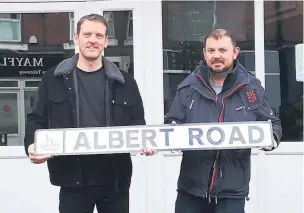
pixel 92 40
pixel 220 54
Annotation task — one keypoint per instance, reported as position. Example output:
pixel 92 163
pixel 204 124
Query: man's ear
pixel 236 52
pixel 204 53
pixel 76 38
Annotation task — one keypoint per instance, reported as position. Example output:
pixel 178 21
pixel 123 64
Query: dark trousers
pixel 186 203
pixel 84 199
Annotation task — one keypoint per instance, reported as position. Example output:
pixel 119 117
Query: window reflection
pixel 120 48
pixel 29 102
pixel 185 25
pixel 30 44
pixel 9 113
pixel 284 80
pixel 110 21
pixel 130 26
pixel 41 42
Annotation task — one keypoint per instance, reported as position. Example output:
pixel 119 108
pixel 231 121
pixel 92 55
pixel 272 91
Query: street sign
pixel 126 139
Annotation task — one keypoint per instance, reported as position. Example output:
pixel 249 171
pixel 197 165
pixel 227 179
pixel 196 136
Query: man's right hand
pixel 33 156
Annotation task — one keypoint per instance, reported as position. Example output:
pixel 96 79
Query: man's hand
pixel 33 156
pixel 148 151
pixel 275 145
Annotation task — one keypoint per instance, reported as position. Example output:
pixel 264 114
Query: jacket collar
pixel 67 66
pixel 238 75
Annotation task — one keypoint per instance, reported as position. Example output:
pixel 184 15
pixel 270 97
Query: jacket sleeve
pixel 138 112
pixel 177 112
pixel 265 113
pixel 38 118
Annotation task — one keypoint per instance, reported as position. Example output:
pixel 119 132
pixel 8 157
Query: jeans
pixel 186 203
pixel 84 200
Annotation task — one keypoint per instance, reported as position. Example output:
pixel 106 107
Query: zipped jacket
pixel 222 173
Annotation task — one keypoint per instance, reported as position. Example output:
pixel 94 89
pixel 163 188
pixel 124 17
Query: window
pixel 21 70
pixel 30 95
pixel 9 113
pixel 284 64
pixel 8 84
pixel 10 25
pixel 186 24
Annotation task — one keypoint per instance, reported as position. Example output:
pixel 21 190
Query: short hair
pixel 92 17
pixel 219 34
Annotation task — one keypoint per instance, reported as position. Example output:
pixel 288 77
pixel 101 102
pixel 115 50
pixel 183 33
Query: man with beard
pixel 87 90
pixel 218 181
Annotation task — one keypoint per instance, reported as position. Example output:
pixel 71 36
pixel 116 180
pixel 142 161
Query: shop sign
pixel 27 65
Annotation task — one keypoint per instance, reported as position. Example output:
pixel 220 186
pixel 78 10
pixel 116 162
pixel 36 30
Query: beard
pixel 225 70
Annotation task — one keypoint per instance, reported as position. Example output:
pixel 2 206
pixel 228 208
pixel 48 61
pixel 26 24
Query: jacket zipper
pixel 219 120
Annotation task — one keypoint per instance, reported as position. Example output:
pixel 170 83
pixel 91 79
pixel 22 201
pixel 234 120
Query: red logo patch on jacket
pixel 251 96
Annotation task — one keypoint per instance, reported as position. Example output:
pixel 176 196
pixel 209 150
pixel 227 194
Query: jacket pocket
pixel 59 107
pixel 250 111
pixel 233 174
pixel 121 112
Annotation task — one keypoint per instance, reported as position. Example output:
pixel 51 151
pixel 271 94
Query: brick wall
pixel 49 28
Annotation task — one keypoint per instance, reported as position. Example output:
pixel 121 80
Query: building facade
pixel 159 43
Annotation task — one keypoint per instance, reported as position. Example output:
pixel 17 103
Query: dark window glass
pixel 186 24
pixel 284 64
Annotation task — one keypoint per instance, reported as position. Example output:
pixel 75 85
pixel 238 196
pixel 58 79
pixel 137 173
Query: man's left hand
pixel 148 151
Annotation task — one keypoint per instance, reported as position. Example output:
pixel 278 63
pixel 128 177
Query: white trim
pixel 259 40
pixel 152 72
pixel 40 1
pixel 41 7
pixel 16 47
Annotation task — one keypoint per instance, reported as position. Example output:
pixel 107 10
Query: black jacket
pixel 57 107
pixel 223 173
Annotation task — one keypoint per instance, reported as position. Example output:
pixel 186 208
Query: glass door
pixel 28 95
pixel 9 118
